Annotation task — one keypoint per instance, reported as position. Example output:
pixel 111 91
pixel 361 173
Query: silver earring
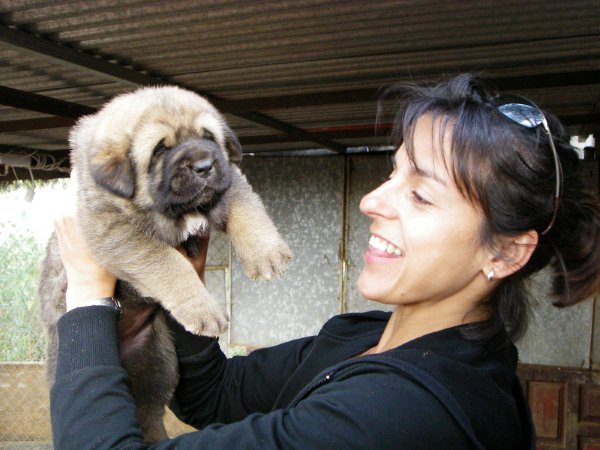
pixel 490 275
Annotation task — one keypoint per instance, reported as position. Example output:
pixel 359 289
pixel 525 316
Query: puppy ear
pixel 233 146
pixel 106 159
pixel 113 170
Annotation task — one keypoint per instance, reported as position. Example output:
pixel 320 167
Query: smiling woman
pixel 436 273
pixel 514 165
pixel 469 212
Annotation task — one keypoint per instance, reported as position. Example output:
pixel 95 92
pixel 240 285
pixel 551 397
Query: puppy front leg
pixel 181 292
pixel 257 243
pixel 159 271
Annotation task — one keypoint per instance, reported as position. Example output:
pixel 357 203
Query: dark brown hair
pixel 508 171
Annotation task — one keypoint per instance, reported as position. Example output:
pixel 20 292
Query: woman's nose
pixel 378 203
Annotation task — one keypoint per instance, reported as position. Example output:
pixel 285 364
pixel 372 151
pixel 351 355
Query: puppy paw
pixel 266 260
pixel 202 317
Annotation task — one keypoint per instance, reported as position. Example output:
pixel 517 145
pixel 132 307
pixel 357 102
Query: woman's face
pixel 425 241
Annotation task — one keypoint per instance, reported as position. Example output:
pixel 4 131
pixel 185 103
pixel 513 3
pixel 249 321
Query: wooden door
pixel 565 405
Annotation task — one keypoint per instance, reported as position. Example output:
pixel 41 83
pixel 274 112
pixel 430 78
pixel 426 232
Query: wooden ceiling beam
pixel 299 100
pixel 41 103
pixel 369 131
pixel 552 80
pixel 41 123
pixel 341 133
pixel 39 47
pixel 65 56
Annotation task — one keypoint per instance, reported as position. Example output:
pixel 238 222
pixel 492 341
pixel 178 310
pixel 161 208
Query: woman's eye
pixel 420 199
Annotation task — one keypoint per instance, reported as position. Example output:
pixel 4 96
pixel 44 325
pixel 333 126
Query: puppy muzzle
pixel 196 155
pixel 195 175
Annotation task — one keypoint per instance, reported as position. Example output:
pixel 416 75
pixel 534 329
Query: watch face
pixel 116 303
pixel 109 302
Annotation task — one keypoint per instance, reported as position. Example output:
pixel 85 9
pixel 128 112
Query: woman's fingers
pixel 85 277
pixel 197 262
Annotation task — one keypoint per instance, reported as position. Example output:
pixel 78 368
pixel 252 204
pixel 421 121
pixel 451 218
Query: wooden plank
pixel 547 403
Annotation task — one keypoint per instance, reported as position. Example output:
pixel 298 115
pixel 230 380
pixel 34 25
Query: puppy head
pixel 164 148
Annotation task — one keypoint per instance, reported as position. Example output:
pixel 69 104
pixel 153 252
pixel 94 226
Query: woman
pixel 481 197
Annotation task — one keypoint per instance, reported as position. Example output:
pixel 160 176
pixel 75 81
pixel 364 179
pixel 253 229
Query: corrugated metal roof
pixel 288 71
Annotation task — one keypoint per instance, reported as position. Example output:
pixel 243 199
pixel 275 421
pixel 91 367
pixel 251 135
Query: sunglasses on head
pixel 528 115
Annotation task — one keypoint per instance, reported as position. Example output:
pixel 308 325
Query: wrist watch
pixel 110 302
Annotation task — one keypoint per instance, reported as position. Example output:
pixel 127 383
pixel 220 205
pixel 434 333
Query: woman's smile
pixel 381 248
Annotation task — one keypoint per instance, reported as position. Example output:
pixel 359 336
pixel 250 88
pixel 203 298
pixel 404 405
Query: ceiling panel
pixel 290 75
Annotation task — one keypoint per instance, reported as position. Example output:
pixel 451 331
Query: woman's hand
pixel 197 262
pixel 86 279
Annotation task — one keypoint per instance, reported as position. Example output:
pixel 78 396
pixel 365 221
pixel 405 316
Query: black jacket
pixel 437 391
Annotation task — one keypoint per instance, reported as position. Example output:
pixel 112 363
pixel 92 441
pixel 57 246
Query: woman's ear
pixel 513 253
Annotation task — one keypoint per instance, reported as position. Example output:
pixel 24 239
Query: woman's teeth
pixel 384 246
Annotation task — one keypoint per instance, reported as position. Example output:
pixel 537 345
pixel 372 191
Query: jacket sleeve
pixel 214 389
pixel 91 406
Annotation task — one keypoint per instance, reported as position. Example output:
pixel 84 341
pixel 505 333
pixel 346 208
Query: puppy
pixel 157 168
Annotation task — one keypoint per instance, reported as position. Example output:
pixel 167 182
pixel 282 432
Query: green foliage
pixel 26 184
pixel 21 331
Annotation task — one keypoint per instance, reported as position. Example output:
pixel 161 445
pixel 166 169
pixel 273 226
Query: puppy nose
pixel 202 166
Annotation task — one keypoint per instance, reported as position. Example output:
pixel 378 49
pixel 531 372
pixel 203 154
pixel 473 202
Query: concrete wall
pixel 317 215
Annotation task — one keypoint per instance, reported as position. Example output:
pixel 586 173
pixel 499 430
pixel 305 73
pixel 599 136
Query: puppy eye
pixel 208 135
pixel 159 148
